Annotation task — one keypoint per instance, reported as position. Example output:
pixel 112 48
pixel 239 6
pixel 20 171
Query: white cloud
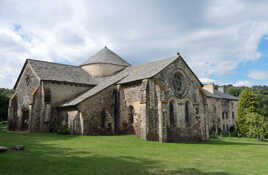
pixel 206 80
pixel 258 75
pixel 243 83
pixel 214 36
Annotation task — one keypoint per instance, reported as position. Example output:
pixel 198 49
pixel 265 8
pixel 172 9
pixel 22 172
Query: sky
pixel 224 42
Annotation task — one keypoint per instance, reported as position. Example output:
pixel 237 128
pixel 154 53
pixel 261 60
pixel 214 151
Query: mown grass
pixel 51 154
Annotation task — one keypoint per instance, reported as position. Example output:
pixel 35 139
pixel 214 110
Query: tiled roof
pixel 106 56
pixel 61 72
pixel 105 83
pixel 147 70
pixel 218 94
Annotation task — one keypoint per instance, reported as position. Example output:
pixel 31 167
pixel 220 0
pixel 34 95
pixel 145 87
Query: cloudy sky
pixel 222 41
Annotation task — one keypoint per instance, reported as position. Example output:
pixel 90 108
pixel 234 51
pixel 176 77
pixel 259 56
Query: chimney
pixel 221 89
pixel 209 87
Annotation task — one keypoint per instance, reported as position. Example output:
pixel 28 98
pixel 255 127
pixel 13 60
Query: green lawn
pixel 52 154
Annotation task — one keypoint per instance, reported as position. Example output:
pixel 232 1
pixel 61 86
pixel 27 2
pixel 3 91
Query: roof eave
pixel 69 82
pixel 191 71
pixel 86 64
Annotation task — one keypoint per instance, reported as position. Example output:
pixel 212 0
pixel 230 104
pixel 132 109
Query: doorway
pixel 25 120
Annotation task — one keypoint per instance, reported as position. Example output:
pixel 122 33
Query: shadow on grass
pixel 55 161
pixel 245 143
pixel 42 158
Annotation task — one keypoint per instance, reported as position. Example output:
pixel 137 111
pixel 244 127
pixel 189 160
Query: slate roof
pixel 147 70
pixel 129 74
pixel 218 94
pixel 75 74
pixel 105 83
pixel 61 72
pixel 106 56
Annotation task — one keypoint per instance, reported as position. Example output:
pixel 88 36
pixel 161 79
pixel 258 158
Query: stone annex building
pixel 161 100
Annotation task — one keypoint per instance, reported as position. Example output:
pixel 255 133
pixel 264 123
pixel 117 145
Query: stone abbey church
pixel 160 101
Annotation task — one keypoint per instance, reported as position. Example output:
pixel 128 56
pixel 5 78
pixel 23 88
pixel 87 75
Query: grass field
pixel 51 154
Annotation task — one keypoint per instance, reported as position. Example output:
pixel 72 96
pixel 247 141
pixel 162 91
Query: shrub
pixel 62 130
pixel 234 133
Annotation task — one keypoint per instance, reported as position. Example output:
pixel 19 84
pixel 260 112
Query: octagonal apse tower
pixel 104 63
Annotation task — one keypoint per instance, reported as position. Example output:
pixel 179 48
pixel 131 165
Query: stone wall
pixel 222 115
pixel 62 92
pixel 187 97
pixel 213 114
pixel 45 116
pixel 152 112
pixel 130 99
pixel 168 107
pixel 98 113
pixel 37 111
pixel 151 99
pixel 24 89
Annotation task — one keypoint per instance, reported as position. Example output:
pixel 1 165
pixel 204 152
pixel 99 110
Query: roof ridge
pixel 52 62
pixel 156 60
pixel 147 70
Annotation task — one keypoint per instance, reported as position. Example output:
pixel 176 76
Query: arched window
pixel 171 114
pixel 187 114
pixel 116 109
pixel 131 114
pixel 47 96
pixel 103 117
pixel 177 81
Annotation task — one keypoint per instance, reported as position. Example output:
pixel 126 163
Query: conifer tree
pixel 247 104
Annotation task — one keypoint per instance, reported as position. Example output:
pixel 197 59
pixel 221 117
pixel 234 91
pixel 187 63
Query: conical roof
pixel 106 56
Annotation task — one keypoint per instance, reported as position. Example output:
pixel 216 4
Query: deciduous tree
pixel 257 127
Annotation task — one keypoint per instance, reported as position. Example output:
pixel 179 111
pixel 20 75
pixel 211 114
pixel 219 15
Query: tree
pixel 247 104
pixel 235 91
pixel 257 127
pixel 4 99
pixel 263 104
